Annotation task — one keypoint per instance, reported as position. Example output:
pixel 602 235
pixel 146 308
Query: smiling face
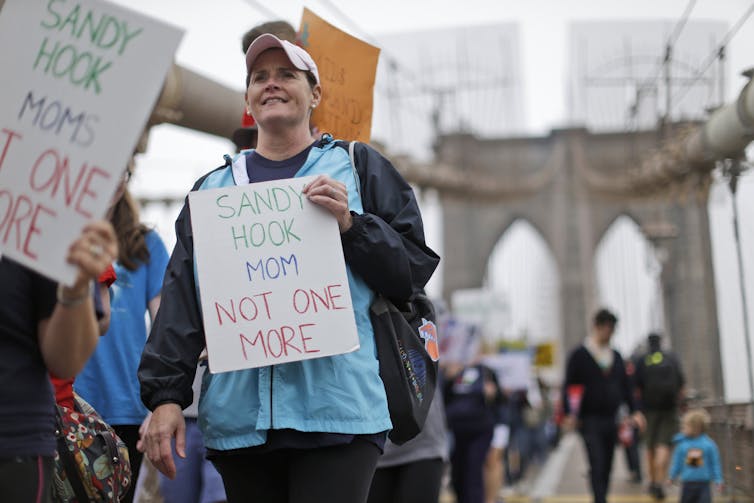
pixel 279 95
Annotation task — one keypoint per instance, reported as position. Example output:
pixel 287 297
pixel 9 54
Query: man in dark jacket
pixel 595 386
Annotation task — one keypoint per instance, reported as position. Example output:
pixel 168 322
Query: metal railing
pixel 731 428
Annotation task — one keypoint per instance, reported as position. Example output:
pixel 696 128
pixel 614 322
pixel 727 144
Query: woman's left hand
pixel 332 195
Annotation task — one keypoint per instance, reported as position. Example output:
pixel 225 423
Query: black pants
pixel 129 433
pixel 467 465
pixel 599 434
pixel 417 482
pixel 338 474
pixel 696 492
pixel 26 479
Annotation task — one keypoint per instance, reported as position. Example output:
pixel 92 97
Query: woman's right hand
pixel 68 337
pixel 91 253
pixel 166 424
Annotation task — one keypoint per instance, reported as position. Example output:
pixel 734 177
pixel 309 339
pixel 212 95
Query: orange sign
pixel 347 68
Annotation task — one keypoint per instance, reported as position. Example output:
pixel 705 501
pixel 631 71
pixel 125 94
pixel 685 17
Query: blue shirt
pixel 108 381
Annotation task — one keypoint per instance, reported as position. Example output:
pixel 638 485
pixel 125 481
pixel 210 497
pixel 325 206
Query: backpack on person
pixel 405 335
pixel 660 378
pixel 91 461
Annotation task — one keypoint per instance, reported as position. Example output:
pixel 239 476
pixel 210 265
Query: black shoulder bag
pixel 407 348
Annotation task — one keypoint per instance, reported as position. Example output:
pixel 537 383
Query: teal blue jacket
pixel 384 251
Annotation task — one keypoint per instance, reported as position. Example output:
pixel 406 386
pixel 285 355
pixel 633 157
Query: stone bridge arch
pixel 627 272
pixel 522 264
pixel 563 185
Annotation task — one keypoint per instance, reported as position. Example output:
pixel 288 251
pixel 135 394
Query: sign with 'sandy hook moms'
pixel 80 79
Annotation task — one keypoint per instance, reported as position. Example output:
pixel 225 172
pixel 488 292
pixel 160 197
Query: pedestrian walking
pixel 472 406
pixel 595 386
pixel 660 381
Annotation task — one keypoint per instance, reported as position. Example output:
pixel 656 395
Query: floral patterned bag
pixel 91 462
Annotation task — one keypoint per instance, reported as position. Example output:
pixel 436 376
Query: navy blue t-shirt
pixel 261 169
pixel 467 409
pixel 27 403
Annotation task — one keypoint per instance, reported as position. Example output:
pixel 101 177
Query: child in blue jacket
pixel 696 460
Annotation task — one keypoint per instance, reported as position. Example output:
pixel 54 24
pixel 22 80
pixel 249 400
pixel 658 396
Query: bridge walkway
pixel 564 479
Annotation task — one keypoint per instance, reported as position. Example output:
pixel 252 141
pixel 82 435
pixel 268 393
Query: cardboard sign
pixel 79 81
pixel 347 68
pixel 272 277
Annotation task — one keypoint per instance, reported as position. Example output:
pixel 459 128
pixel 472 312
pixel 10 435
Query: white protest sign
pixel 79 81
pixel 513 369
pixel 272 277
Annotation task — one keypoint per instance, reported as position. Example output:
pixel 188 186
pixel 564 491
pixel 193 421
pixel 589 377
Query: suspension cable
pixel 719 51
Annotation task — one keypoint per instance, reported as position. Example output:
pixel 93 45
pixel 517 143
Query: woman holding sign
pixel 43 331
pixel 304 431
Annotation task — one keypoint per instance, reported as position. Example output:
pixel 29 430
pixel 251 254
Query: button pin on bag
pixel 428 332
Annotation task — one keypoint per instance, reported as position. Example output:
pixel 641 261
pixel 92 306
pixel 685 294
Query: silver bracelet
pixel 63 301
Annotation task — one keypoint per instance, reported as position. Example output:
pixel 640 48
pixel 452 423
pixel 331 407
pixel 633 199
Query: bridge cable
pixel 665 58
pixel 715 54
pixel 672 39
